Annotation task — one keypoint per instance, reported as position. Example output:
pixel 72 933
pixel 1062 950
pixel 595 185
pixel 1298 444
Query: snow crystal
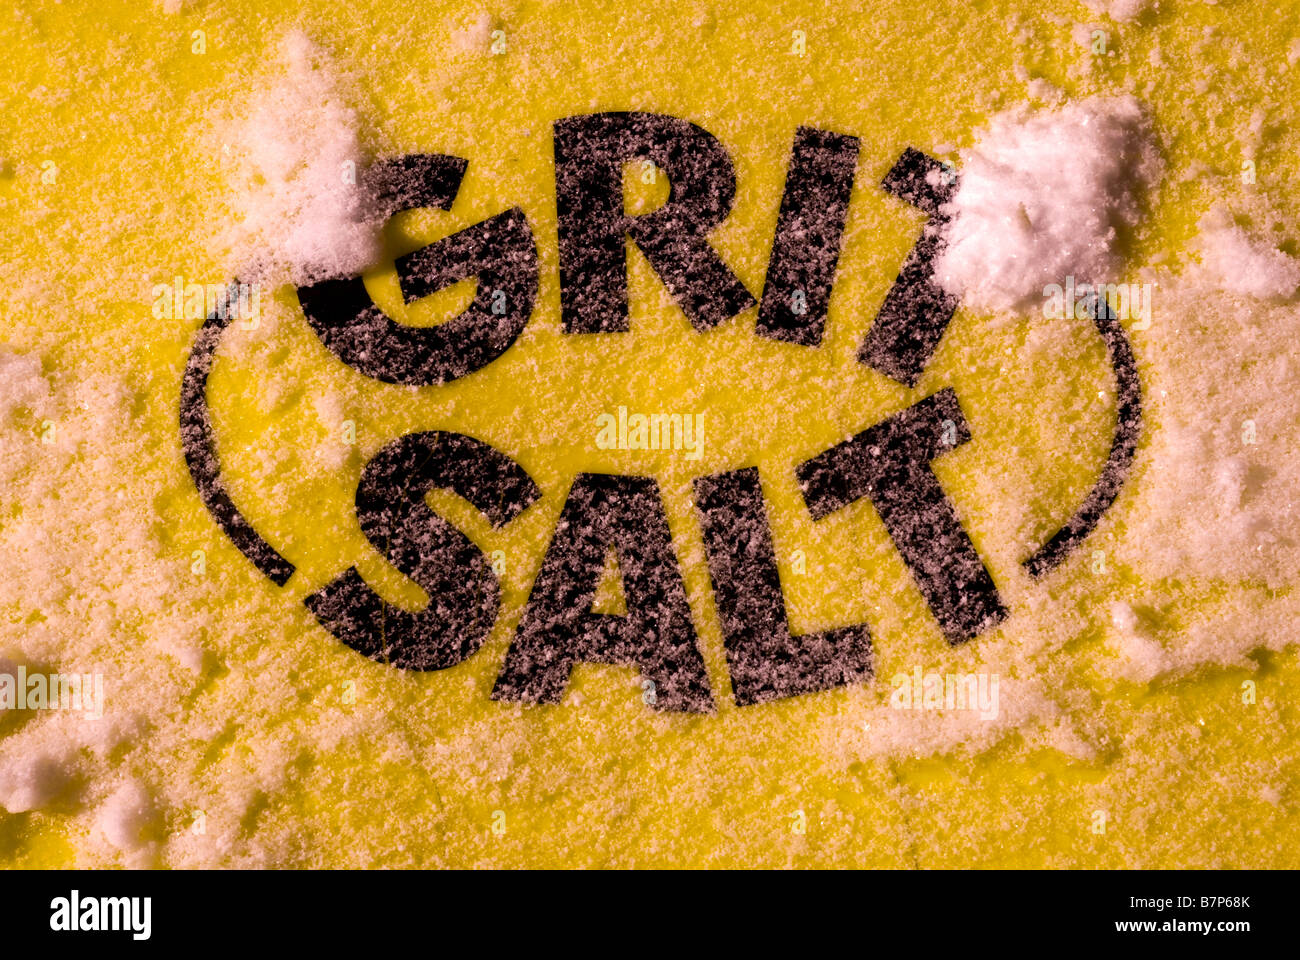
pixel 31 781
pixel 22 386
pixel 125 817
pixel 1046 196
pixel 1237 263
pixel 1121 11
pixel 296 163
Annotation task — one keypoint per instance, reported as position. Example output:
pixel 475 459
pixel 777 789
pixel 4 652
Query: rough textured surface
pixel 1044 197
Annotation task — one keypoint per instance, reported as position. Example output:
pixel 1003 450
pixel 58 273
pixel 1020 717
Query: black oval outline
pixel 1123 447
pixel 198 442
pixel 199 446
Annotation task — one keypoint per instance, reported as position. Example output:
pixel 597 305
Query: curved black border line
pixel 199 446
pixel 916 312
pixel 1123 447
pixel 398 183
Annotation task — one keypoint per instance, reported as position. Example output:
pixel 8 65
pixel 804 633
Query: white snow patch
pixel 1235 262
pixel 31 780
pixel 473 35
pixel 1121 11
pixel 1140 657
pixel 296 164
pixel 22 385
pixel 125 816
pixel 1044 196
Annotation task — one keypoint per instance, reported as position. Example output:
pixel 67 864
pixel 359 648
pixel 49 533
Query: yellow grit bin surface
pixel 1146 688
